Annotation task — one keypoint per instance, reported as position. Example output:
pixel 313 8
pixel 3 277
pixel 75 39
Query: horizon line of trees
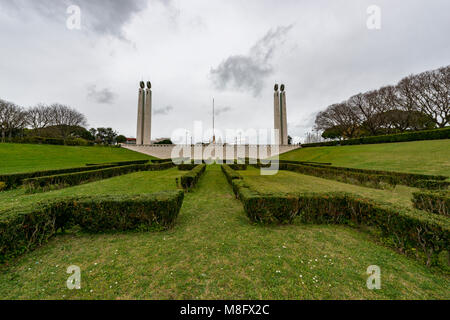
pixel 417 102
pixel 51 121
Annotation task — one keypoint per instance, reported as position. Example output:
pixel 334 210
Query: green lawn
pixel 134 183
pixel 429 157
pixel 288 181
pixel 33 157
pixel 215 252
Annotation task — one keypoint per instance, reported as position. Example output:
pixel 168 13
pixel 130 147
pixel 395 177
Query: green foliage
pixel 408 179
pixel 16 179
pixel 230 174
pixel 120 163
pixel 443 133
pixel 434 202
pixel 51 141
pixel 190 179
pixel 2 186
pixel 238 166
pixel 24 229
pixel 71 179
pixel 408 230
pixel 186 166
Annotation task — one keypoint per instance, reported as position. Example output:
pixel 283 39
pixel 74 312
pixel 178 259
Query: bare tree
pixel 431 94
pixel 39 117
pixel 65 117
pixel 341 116
pixel 12 118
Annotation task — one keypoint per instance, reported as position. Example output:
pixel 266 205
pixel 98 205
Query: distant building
pixel 131 141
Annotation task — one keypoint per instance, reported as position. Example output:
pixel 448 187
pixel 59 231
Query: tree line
pixel 52 121
pixel 417 102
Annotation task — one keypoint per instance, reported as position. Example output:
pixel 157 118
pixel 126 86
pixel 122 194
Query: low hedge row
pixel 16 179
pixel 190 179
pixel 435 134
pixel 434 202
pixel 368 180
pixel 238 166
pixel 24 229
pixel 186 167
pixel 408 230
pixel 408 179
pixel 230 174
pixel 120 163
pixel 71 179
pixel 52 141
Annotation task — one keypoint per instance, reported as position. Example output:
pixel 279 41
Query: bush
pixel 230 174
pixel 238 166
pixel 190 179
pixel 120 163
pixel 408 179
pixel 16 179
pixel 2 186
pixel 368 180
pixel 186 167
pixel 435 134
pixel 24 229
pixel 408 230
pixel 434 202
pixel 51 141
pixel 71 179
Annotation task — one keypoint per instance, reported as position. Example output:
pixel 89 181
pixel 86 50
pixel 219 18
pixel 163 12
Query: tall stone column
pixel 284 133
pixel 276 115
pixel 147 129
pixel 140 115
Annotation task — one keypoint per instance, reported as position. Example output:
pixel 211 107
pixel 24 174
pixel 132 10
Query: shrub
pixel 15 179
pixel 434 202
pixel 442 133
pixel 408 179
pixel 186 167
pixel 230 174
pixel 368 180
pixel 51 141
pixel 238 167
pixel 71 179
pixel 2 186
pixel 24 229
pixel 190 179
pixel 120 163
pixel 407 230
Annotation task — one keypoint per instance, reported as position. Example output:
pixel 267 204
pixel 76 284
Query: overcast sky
pixel 194 50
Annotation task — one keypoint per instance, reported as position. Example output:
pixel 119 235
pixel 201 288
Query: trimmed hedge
pixel 434 202
pixel 119 163
pixel 71 179
pixel 407 179
pixel 24 229
pixel 368 180
pixel 190 179
pixel 16 179
pixel 435 134
pixel 408 230
pixel 51 141
pixel 230 174
pixel 239 167
pixel 186 167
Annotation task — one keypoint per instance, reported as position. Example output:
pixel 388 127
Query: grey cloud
pixel 221 110
pixel 163 111
pixel 104 96
pixel 104 17
pixel 248 72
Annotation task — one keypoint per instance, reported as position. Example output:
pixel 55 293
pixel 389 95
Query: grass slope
pixel 32 157
pixel 214 252
pixel 429 157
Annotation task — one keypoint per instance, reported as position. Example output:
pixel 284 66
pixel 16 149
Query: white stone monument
pixel 144 116
pixel 280 116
